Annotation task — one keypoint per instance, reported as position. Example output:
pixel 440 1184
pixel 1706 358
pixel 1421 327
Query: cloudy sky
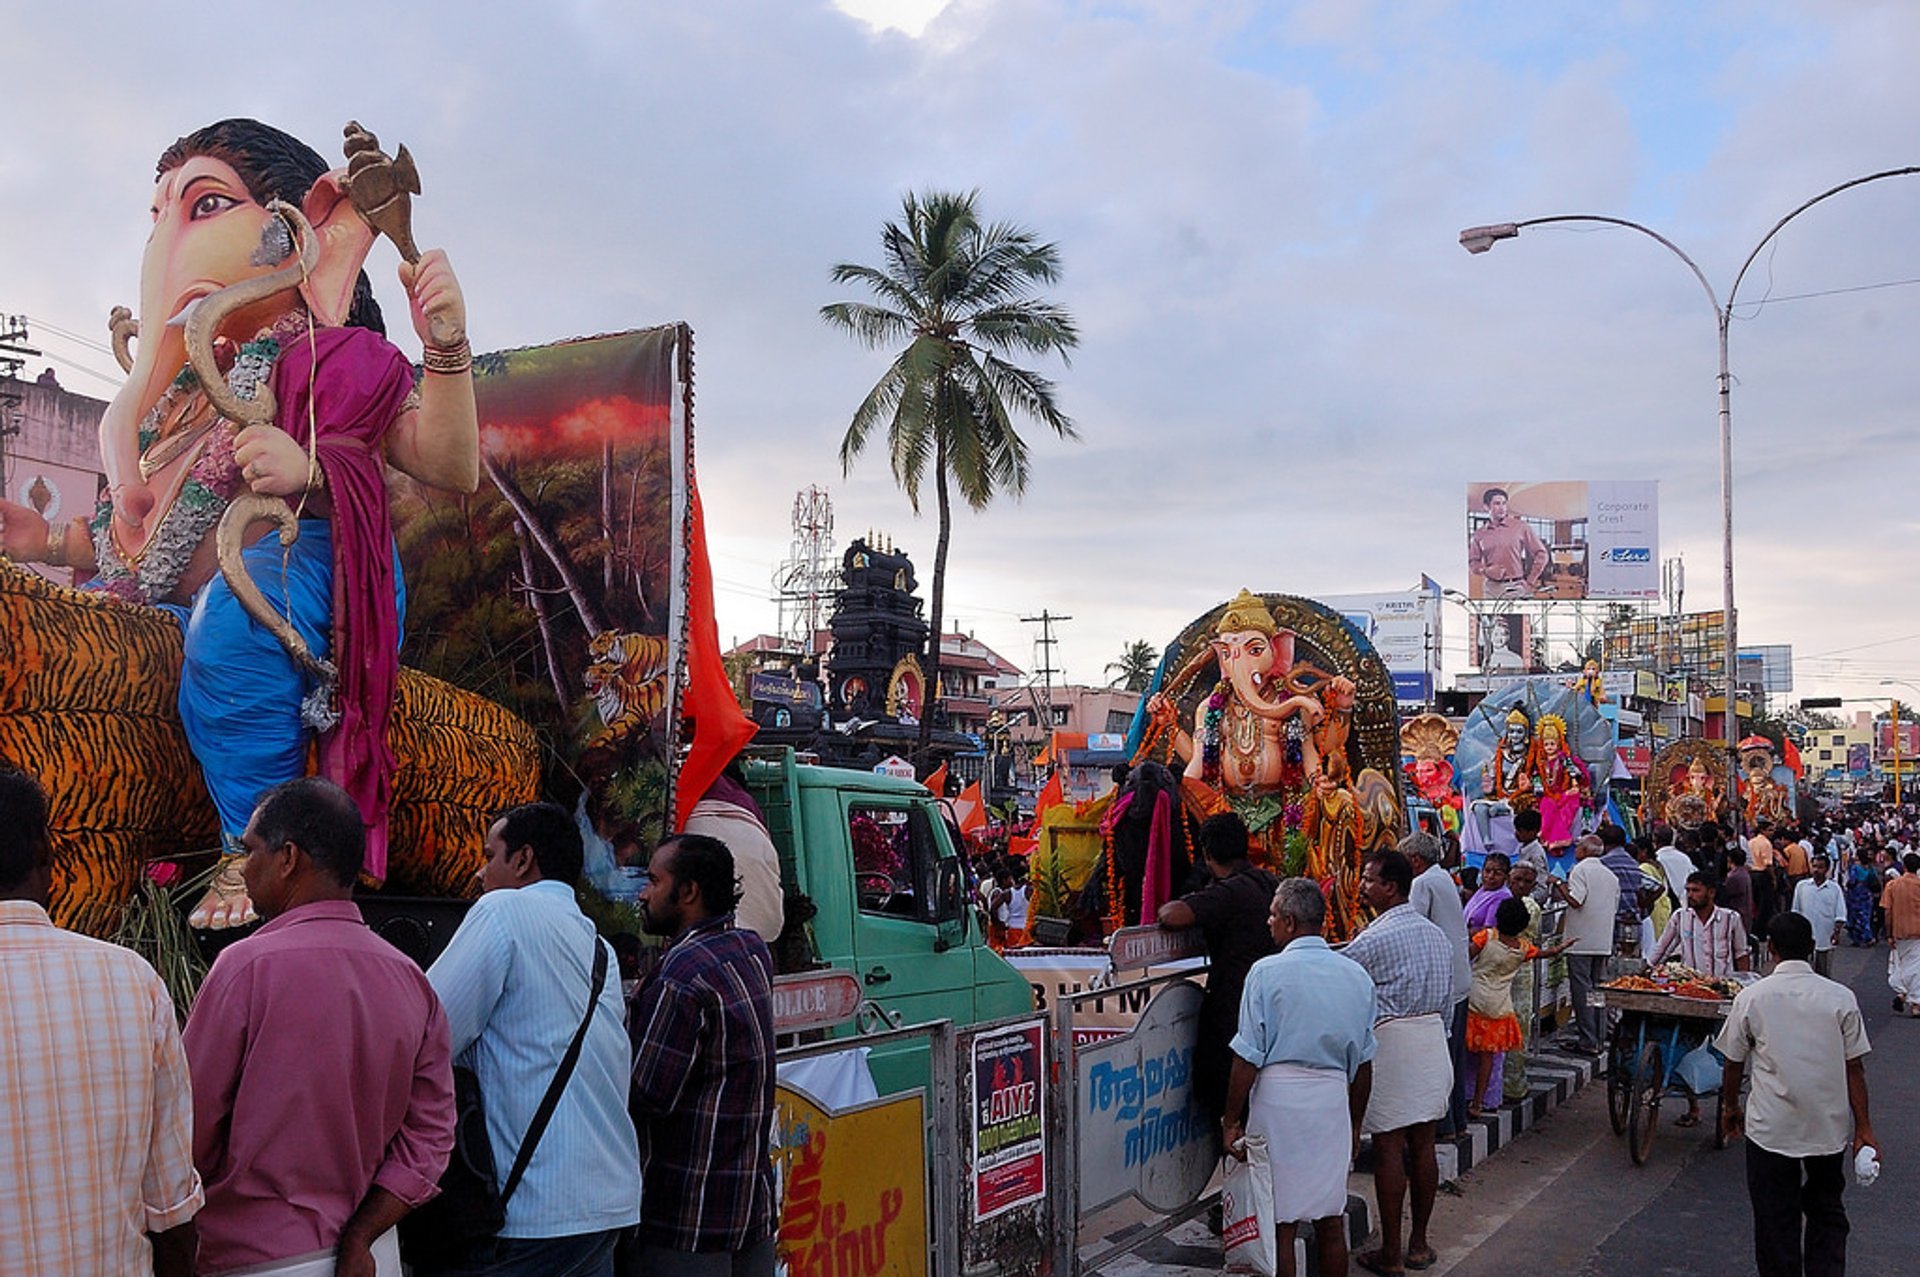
pixel 1289 369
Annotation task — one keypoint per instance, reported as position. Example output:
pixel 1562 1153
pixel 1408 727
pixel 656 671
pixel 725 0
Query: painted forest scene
pixel 548 590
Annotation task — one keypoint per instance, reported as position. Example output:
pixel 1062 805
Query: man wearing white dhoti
pixel 1302 1072
pixel 1411 963
pixel 1900 898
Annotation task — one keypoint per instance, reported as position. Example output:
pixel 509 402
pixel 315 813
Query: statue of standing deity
pixel 1560 784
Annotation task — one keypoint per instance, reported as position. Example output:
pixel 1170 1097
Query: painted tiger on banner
pixel 627 678
pixel 88 688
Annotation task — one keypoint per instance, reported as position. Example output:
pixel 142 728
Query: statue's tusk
pixel 124 327
pixel 210 312
pixel 229 542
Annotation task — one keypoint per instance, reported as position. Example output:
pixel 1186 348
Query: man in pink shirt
pixel 322 1082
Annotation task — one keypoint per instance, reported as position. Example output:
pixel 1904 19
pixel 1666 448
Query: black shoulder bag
pixel 472 1203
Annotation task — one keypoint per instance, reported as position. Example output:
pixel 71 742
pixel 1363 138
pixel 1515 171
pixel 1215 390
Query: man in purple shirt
pixel 322 1081
pixel 702 1094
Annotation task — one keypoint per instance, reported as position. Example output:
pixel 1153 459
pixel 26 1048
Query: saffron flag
pixel 1052 794
pixel 970 809
pixel 937 781
pixel 720 727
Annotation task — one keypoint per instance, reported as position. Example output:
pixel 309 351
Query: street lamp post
pixel 1478 239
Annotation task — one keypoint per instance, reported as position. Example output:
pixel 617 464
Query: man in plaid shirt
pixel 94 1096
pixel 703 1074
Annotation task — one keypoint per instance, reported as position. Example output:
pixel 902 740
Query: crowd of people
pixel 1424 1020
pixel 309 1107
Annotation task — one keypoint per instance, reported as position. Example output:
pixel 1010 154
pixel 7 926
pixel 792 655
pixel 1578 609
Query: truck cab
pixel 875 857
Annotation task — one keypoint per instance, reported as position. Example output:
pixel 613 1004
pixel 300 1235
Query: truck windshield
pixel 894 857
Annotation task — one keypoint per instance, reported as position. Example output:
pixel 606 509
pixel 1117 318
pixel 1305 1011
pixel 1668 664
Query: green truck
pixel 875 857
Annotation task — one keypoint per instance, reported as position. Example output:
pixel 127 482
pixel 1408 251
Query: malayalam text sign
pixel 852 1186
pixel 1140 1131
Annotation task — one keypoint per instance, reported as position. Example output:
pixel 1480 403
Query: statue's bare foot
pixel 226 903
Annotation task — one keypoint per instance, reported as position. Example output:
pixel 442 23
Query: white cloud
pixel 1290 369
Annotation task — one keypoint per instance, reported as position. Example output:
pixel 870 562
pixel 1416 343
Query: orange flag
pixel 720 727
pixel 1052 794
pixel 937 781
pixel 970 809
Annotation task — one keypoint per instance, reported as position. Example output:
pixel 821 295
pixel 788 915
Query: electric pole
pixel 14 352
pixel 1046 621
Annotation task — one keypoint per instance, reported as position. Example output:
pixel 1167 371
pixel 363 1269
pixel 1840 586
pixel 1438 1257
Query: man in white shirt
pixel 1436 897
pixel 1592 896
pixel 1821 902
pixel 516 980
pixel 1807 1045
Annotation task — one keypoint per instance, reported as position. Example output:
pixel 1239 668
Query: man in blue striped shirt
pixel 514 981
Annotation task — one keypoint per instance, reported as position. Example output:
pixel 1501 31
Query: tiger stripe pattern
pixel 89 688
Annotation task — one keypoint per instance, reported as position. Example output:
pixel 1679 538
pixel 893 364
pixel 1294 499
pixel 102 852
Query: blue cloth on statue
pixel 240 692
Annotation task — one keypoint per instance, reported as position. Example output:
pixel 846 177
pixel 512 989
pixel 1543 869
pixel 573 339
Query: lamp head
pixel 1478 239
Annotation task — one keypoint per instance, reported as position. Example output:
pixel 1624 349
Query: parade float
pixel 1687 785
pixel 1537 744
pixel 1767 785
pixel 1277 708
pixel 249 578
pixel 1429 742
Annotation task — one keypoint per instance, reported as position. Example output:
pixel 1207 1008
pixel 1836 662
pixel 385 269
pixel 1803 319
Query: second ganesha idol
pixel 1276 708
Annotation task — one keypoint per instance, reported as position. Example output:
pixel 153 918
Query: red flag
pixel 1052 794
pixel 720 727
pixel 970 809
pixel 937 781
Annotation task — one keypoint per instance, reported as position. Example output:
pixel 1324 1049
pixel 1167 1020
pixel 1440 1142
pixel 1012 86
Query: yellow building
pixel 1831 754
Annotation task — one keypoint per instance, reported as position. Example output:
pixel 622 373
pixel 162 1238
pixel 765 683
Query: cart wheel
pixel 1644 1103
pixel 1619 1086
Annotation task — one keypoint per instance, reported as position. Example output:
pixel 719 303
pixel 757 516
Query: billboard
pixel 1404 629
pixel 1501 643
pixel 1563 539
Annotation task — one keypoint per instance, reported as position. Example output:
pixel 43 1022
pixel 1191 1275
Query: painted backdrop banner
pixel 559 587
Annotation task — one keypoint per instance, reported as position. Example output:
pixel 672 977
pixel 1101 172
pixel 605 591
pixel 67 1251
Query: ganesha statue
pixel 1275 688
pixel 1686 784
pixel 1766 785
pixel 245 461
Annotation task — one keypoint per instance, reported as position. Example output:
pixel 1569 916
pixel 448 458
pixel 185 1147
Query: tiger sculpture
pixel 88 694
pixel 627 677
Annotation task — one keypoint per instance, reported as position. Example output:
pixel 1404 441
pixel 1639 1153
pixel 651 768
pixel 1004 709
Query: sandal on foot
pixel 1421 1259
pixel 1371 1261
pixel 1687 1119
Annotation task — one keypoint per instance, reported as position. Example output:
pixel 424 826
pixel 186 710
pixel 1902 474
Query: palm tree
pixel 957 297
pixel 1134 670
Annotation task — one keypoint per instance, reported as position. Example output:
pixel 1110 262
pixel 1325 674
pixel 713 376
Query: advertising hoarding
pixel 1501 644
pixel 1404 629
pixel 1563 539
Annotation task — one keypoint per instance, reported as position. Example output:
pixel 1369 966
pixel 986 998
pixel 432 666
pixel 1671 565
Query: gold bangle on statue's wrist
pixel 55 555
pixel 448 361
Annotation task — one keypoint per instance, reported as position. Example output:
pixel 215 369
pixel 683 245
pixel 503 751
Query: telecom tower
pixel 804 585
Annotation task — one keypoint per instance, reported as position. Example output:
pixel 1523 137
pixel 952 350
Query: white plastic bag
pixel 1246 1210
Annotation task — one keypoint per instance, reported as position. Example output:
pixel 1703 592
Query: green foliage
pixel 954 298
pixel 1134 670
pixel 1293 861
pixel 154 925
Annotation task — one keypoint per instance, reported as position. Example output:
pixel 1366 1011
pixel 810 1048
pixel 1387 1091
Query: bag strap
pixel 551 1100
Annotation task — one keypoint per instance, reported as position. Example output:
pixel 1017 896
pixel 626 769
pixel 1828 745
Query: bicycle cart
pixel 1655 1031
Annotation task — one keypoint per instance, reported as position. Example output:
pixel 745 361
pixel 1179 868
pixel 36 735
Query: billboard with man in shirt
pixel 1563 539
